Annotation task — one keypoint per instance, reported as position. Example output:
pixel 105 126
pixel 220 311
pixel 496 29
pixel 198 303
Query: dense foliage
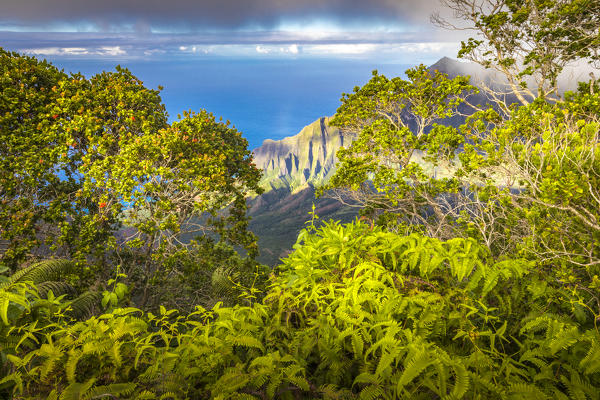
pixel 477 276
pixel 91 171
pixel 528 42
pixel 354 312
pixel 402 124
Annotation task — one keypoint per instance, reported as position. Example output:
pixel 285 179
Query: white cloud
pixel 344 48
pixel 390 46
pixel 192 49
pixel 262 50
pixel 112 51
pixel 59 51
pixel 272 49
pixel 154 52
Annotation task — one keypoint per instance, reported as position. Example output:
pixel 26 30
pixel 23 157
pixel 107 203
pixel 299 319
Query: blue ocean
pixel 265 99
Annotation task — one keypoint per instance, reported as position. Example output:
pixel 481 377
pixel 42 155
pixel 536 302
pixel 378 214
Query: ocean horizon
pixel 264 99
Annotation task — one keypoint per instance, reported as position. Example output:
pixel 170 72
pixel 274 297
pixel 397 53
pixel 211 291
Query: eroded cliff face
pixel 306 159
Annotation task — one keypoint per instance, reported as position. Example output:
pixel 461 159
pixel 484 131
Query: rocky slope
pixel 306 159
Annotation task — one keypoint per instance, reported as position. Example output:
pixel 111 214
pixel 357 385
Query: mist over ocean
pixel 265 99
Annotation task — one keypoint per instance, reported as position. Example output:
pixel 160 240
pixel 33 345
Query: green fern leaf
pixel 246 341
pixel 114 390
pixel 527 391
pixel 169 396
pixel 145 395
pixel 43 271
pixel 57 287
pixel 371 392
pixel 461 384
pixel 76 390
pixel 84 305
pixel 413 367
pixel 591 361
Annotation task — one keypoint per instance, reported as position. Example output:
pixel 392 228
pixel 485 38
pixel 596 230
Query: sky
pixel 269 66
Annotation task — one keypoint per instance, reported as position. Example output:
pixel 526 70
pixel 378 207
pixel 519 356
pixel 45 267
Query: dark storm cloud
pixel 142 15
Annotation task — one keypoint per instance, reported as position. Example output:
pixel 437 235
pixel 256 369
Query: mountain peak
pixel 443 64
pixel 306 159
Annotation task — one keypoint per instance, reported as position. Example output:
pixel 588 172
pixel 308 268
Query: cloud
pixel 112 51
pixel 262 50
pixel 345 48
pixel 121 46
pixel 250 28
pixel 102 51
pixel 144 16
pixel 293 49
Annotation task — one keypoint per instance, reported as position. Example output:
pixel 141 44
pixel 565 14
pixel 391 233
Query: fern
pixel 591 362
pixel 371 392
pixel 57 287
pixel 339 321
pixel 76 390
pixel 84 305
pixel 115 390
pixel 43 271
pixel 414 365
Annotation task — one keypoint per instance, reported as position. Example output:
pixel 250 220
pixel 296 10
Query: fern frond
pixel 13 381
pixel 114 390
pixel 221 282
pixel 527 391
pixel 71 364
pixel 145 395
pixel 245 341
pixel 243 396
pixel 57 287
pixel 83 306
pixel 413 368
pixel 591 362
pixel 371 392
pixel 462 381
pixel 169 396
pixel 43 271
pixel 77 390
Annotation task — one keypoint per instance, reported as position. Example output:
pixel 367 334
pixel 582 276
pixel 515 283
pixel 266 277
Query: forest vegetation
pixel 127 270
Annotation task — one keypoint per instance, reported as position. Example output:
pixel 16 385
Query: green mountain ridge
pixel 292 168
pixel 306 159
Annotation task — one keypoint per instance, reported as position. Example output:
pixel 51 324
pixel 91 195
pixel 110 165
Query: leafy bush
pixel 354 312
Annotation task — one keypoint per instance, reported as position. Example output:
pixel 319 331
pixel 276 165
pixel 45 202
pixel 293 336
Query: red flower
pixel 55 116
pixel 102 204
pixel 133 118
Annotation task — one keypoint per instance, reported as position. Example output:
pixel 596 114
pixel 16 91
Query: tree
pixel 541 168
pixel 92 169
pixel 180 190
pixel 526 180
pixel 32 197
pixel 533 39
pixel 97 118
pixel 534 169
pixel 400 135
